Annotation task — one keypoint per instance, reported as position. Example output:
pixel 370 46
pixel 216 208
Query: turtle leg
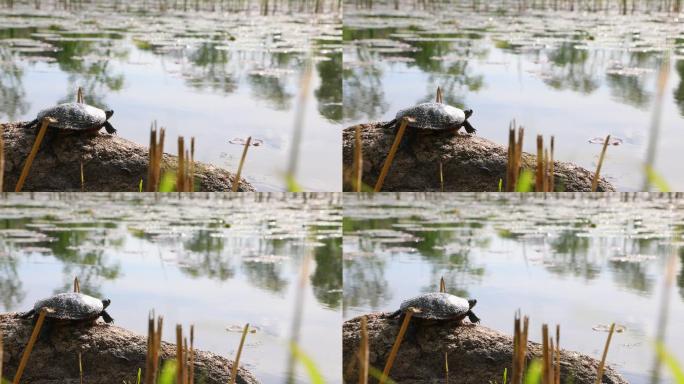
pixel 469 128
pixel 108 127
pixel 394 314
pixel 28 314
pixel 390 124
pixel 105 316
pixel 471 316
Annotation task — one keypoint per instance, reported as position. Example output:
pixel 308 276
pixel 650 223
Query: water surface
pixel 216 261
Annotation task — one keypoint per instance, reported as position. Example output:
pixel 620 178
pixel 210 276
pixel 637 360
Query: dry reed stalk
pixel 539 179
pixel 364 353
pixel 156 151
pixel 441 176
pixel 599 375
pixel 191 180
pixel 514 156
pixel 180 175
pixel 192 354
pixel 390 156
pixel 77 285
pixel 80 367
pixel 552 167
pixel 185 361
pixel 442 285
pixel 438 98
pixel 149 374
pixel 557 369
pixel 179 353
pixel 156 347
pixel 395 348
pixel 236 363
pixel 2 159
pixel 1 355
pixel 32 155
pixel 446 367
pixel 79 95
pixel 594 182
pixel 82 178
pixel 509 161
pixel 519 348
pixel 29 347
pixel 358 159
pixel 236 182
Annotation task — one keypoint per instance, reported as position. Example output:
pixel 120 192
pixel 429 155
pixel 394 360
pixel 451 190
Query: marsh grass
pixel 236 182
pixel 2 160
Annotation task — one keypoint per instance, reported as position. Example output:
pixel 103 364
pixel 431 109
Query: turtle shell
pixel 75 116
pixel 436 116
pixel 71 306
pixel 437 306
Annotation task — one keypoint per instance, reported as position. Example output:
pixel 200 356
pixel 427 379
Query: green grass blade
pixel 669 360
pixel 658 180
pixel 168 182
pixel 534 372
pixel 525 182
pixel 168 373
pixel 311 368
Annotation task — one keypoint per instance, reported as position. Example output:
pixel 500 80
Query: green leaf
pixel 376 373
pixel 656 179
pixel 139 370
pixel 505 376
pixel 669 360
pixel 500 185
pixel 168 182
pixel 292 185
pixel 168 373
pixel 140 185
pixel 534 372
pixel 308 363
pixel 525 182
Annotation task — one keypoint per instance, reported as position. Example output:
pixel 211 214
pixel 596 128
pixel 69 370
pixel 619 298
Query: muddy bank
pixel 110 355
pixel 476 354
pixel 110 164
pixel 470 163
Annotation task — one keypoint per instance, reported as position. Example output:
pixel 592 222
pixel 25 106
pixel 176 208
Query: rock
pixel 109 354
pixel 476 354
pixel 469 163
pixel 110 164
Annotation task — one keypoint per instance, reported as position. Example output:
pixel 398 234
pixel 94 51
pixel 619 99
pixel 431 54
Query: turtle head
pixel 109 113
pixel 106 302
pixel 472 303
pixel 468 113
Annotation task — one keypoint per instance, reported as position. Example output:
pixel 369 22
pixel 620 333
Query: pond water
pixel 216 261
pixel 219 75
pixel 575 75
pixel 579 261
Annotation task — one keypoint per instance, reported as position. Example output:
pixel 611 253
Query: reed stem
pixel 390 156
pixel 29 347
pixel 32 155
pixel 364 353
pixel 594 182
pixel 358 160
pixel 599 376
pixel 236 182
pixel 397 343
pixel 236 363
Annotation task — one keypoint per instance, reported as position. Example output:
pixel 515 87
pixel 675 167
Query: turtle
pixel 71 307
pixel 76 118
pixel 439 306
pixel 432 116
